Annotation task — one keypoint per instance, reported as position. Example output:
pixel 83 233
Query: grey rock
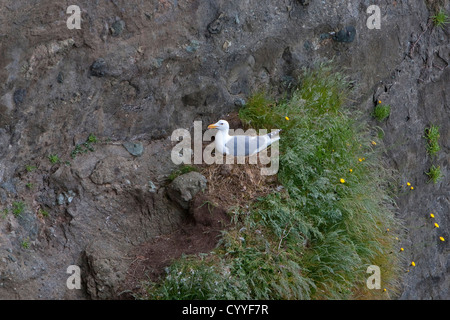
pixel 216 26
pixel 98 68
pixel 61 199
pixel 60 77
pixel 239 102
pixel 19 96
pixel 347 34
pixel 323 36
pixel 28 221
pixel 3 196
pixel 117 28
pixel 106 268
pixel 193 46
pixel 135 148
pixel 152 187
pixel 9 186
pixel 184 188
pixel 65 197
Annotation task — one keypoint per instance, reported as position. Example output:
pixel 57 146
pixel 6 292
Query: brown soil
pixel 199 234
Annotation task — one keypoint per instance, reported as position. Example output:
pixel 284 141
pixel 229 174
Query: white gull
pixel 240 145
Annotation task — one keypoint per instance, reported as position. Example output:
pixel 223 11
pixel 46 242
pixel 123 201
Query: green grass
pixel 181 170
pixel 382 112
pixel 432 136
pixel 434 174
pixel 84 147
pixel 30 168
pixel 25 244
pixel 18 207
pixel 440 19
pixel 315 239
pixel 44 213
pixel 54 159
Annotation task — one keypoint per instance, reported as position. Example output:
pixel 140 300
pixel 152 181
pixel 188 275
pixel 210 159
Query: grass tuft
pixel 18 207
pixel 181 170
pixel 432 135
pixel 382 112
pixel 440 19
pixel 434 174
pixel 54 159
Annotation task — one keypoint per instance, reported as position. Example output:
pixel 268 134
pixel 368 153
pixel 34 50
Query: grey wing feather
pixel 248 145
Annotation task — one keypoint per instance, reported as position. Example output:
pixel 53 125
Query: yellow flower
pixel 408 184
pixel 413 263
pixel 401 249
pixel 360 160
pixel 396 238
pixel 287 118
pixel 351 170
pixel 384 289
pixel 387 229
pixel 379 101
pixel 436 225
pixel 374 143
pixel 441 238
pixel 364 159
pixel 431 215
pixel 342 180
pixel 412 188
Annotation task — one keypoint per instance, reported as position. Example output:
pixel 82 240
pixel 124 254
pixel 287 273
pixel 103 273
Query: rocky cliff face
pixel 137 70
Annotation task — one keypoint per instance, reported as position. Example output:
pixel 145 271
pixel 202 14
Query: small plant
pixel 4 213
pixel 440 19
pixel 84 147
pixel 432 135
pixel 92 138
pixel 182 170
pixel 434 174
pixel 30 168
pixel 54 159
pixel 18 208
pixel 29 185
pixel 44 213
pixel 382 111
pixel 25 243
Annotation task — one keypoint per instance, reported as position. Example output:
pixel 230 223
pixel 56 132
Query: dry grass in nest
pixel 236 185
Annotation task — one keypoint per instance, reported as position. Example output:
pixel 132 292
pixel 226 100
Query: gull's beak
pixel 213 126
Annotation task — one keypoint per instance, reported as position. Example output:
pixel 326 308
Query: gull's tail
pixel 274 135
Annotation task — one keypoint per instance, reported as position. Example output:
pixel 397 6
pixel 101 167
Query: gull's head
pixel 221 125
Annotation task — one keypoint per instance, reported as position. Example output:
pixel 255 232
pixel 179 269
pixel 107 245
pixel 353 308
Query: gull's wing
pixel 242 145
